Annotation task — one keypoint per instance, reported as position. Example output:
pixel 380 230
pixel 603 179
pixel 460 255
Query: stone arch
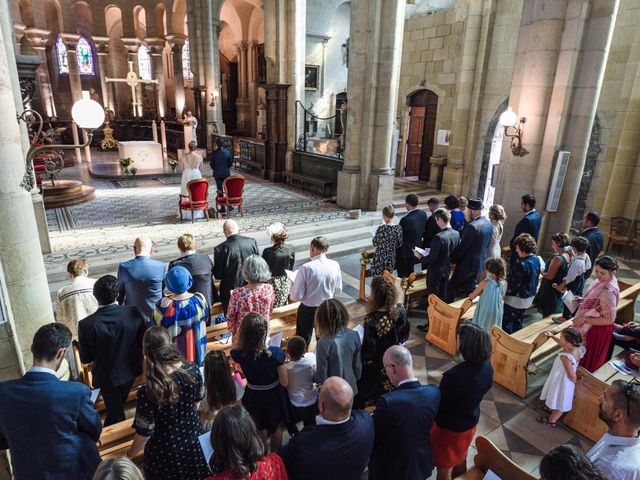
pixel 255 30
pixel 84 19
pixel 178 15
pixel 231 17
pixel 423 86
pixel 26 12
pixel 53 16
pixel 488 141
pixel 113 21
pixel 140 22
pixel 161 20
pixel 593 152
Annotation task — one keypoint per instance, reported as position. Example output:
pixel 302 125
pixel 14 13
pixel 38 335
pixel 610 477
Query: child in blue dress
pixel 489 309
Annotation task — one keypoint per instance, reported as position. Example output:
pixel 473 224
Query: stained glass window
pixel 61 51
pixel 186 61
pixel 84 55
pixel 144 63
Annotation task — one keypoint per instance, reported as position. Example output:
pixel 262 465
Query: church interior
pixel 331 110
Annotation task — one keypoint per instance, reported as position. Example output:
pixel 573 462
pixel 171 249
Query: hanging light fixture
pixel 509 120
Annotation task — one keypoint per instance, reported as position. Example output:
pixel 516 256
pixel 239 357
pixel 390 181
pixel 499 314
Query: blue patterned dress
pixel 490 307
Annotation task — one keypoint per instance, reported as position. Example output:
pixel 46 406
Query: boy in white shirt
pixel 574 280
pixel 303 395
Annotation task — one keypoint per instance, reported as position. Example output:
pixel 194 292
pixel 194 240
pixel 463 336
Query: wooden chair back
pixel 233 188
pixel 583 417
pixel 83 369
pixel 198 193
pixel 509 360
pixel 619 227
pixel 444 320
pixel 489 457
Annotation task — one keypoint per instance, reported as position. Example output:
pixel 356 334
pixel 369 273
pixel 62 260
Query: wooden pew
pixel 490 457
pixel 628 296
pixel 444 320
pixel 116 439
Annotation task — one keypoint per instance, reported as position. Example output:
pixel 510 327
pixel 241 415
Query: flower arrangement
pixel 134 170
pixel 173 164
pixel 125 163
pixel 408 282
pixel 366 258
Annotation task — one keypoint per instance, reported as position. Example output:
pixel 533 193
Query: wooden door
pixel 414 144
pixel 428 135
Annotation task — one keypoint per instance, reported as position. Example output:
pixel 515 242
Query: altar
pixel 144 155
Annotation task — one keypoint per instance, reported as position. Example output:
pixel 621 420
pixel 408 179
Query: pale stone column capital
pixel 102 44
pixel 131 44
pixel 70 40
pixel 38 37
pixel 18 30
pixel 176 41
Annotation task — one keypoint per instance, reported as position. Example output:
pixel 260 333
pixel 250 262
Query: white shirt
pixel 617 457
pixel 322 421
pixel 579 264
pixel 37 369
pixel 414 379
pixel 302 393
pixel 317 281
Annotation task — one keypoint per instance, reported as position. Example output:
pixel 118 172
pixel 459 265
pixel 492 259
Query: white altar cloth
pixel 145 155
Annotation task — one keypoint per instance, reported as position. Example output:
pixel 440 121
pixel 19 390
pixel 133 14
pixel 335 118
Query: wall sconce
pixel 509 119
pixel 214 96
pixel 86 113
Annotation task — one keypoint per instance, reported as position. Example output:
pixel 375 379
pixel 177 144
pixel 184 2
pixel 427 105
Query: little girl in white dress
pixel 191 171
pixel 557 393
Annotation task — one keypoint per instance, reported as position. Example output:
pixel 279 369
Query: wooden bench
pixel 583 417
pixel 305 181
pixel 116 439
pixel 489 457
pixel 444 320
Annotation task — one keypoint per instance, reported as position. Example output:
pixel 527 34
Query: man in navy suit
pixel 141 279
pixel 413 225
pixel 111 339
pixel 530 223
pixel 402 420
pixel 220 161
pixel 590 231
pixel 338 446
pixel 200 267
pixel 50 427
pixel 471 252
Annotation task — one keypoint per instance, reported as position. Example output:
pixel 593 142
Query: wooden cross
pixel 132 80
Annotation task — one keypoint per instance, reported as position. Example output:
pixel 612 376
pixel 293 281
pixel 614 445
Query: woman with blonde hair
pixel 497 216
pixel 76 301
pixel 280 257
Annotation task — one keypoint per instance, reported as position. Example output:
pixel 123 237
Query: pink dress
pixel 245 300
pixel 601 300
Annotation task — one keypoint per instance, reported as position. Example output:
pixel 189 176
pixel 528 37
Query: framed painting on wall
pixel 311 77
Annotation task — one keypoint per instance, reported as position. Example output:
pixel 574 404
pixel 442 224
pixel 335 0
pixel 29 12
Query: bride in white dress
pixel 191 171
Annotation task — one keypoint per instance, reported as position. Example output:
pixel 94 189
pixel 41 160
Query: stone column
pixel 71 42
pixel 156 46
pixel 39 39
pixel 26 294
pixel 176 42
pixel 252 86
pixel 276 142
pixel 366 180
pixel 102 47
pixel 242 102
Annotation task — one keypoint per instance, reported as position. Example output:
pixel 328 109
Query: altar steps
pixel 65 193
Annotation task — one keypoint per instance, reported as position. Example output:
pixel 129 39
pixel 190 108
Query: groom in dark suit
pixel 50 427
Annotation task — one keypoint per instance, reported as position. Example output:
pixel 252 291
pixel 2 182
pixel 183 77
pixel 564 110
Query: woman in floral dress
pixel 385 325
pixel 387 239
pixel 256 296
pixel 280 257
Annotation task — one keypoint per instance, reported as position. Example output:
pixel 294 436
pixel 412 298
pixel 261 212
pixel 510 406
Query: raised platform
pixel 113 171
pixel 65 193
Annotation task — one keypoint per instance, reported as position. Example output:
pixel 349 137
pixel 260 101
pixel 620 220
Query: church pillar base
pixel 347 195
pixel 380 191
pixel 452 180
pixel 41 222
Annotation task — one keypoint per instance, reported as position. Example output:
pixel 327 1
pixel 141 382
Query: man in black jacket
pixel 228 258
pixel 111 339
pixel 200 267
pixel 439 259
pixel 413 225
pixel 220 161
pixel 590 231
pixel 339 446
pixel 431 229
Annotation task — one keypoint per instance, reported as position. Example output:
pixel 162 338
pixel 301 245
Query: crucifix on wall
pixel 132 80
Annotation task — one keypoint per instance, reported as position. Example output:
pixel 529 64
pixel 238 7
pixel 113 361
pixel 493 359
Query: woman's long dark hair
pixel 237 444
pixel 384 296
pixel 221 390
pixel 331 316
pixel 568 462
pixel 160 358
pixel 253 334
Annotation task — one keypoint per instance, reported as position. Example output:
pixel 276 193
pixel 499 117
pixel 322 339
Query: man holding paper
pixel 438 259
pixel 413 225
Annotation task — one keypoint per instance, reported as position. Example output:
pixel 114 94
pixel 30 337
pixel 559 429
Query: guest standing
pixel 457 216
pixel 141 279
pixel 568 462
pixel 438 261
pixel 221 389
pixel 303 395
pixel 191 163
pixel 385 325
pixel 111 339
pixel 387 240
pixel 221 162
pixel 590 231
pixel 200 267
pixel 598 309
pixel 316 281
pixel 575 279
pixel 522 283
pixel 166 422
pixel 531 221
pixel 431 229
pixel 184 315
pixel 497 216
pixel 239 452
pixel 256 296
pixel 471 252
pixel 228 258
pixel 413 225
pixel 548 299
pixel 280 257
pixel 338 349
pixel 50 427
pixel 462 389
pixel 490 306
pixel 265 397
pixel 76 301
pixel 402 419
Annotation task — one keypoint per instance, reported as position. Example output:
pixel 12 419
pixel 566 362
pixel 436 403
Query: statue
pixel 190 121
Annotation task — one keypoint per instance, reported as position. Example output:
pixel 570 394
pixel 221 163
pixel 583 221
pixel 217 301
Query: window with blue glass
pixel 84 54
pixel 61 54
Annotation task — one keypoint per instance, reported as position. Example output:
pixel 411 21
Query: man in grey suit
pixel 471 253
pixel 228 258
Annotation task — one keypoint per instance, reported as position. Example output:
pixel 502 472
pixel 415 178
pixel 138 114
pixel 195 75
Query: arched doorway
pixel 491 156
pixel 422 125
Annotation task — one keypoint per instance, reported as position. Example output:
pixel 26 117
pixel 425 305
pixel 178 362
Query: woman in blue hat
pixel 184 314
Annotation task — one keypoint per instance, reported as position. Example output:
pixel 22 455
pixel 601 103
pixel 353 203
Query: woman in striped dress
pixel 184 314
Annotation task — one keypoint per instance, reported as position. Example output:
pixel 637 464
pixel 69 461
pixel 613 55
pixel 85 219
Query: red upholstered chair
pixel 233 187
pixel 198 198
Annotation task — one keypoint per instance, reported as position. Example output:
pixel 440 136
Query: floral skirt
pixel 281 287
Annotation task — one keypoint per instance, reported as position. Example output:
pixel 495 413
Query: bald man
pixel 141 279
pixel 228 258
pixel 340 443
pixel 403 419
